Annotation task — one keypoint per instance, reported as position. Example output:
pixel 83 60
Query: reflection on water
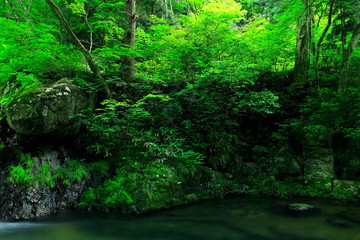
pixel 232 219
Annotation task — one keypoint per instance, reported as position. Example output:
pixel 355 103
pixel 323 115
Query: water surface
pixel 228 219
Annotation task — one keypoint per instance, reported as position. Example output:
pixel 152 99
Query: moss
pixel 42 110
pixel 300 207
pixel 26 95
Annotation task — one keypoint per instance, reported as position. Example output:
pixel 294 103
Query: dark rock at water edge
pixel 31 203
pixel 28 202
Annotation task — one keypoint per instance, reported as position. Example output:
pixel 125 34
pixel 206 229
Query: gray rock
pixel 42 111
pixel 19 202
pixel 320 162
pixel 300 207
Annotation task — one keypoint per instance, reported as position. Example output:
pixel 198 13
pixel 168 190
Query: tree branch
pixel 93 67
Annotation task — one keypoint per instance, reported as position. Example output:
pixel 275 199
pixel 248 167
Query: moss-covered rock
pixel 42 111
pixel 300 207
pixel 320 162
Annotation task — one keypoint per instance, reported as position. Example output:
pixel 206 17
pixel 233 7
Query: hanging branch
pixel 86 18
pixel 93 67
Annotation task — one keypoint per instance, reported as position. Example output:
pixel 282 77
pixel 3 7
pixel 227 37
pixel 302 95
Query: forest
pixel 144 105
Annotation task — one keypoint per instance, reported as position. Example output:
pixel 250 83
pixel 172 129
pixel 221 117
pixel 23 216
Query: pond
pixel 232 219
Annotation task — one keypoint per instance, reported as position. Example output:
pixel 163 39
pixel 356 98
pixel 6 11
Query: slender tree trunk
pixel 164 9
pixel 171 7
pixel 153 7
pixel 303 45
pixel 86 18
pixel 55 9
pixel 318 45
pixel 13 11
pixel 343 79
pixel 130 34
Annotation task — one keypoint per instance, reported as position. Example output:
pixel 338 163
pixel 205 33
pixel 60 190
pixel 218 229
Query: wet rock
pixel 19 201
pixel 300 207
pixel 32 203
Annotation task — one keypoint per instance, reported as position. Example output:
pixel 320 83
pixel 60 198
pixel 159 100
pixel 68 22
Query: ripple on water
pixel 16 226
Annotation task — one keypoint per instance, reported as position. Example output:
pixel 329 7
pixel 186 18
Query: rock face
pixel 43 111
pixel 320 162
pixel 32 203
pixel 41 120
pixel 21 202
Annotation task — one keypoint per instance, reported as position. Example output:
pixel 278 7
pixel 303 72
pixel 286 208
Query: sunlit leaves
pixel 33 50
pixel 77 7
pixel 186 49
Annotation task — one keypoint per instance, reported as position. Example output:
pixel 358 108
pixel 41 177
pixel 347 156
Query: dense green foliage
pixel 217 105
pixel 32 172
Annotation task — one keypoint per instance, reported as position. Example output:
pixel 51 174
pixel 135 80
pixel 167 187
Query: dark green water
pixel 233 219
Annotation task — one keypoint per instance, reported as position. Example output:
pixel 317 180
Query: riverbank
pixel 234 218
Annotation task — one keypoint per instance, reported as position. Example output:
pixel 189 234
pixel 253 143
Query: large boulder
pixel 320 162
pixel 48 110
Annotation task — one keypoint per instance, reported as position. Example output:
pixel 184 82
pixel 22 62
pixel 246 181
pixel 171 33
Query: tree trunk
pixel 318 45
pixel 303 45
pixel 130 33
pixel 165 13
pixel 153 7
pixel 93 67
pixel 13 11
pixel 171 7
pixel 343 79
